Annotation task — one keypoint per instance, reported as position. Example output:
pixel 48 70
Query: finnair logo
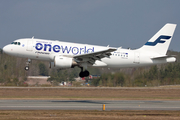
pixel 63 49
pixel 160 39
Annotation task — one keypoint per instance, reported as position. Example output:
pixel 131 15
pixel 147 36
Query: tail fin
pixel 159 43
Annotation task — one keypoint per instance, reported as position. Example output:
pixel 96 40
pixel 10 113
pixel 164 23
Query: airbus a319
pixel 62 55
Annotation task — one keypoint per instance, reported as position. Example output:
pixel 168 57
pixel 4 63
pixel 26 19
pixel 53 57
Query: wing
pixel 92 57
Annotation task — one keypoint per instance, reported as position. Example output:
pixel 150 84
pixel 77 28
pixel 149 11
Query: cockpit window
pixel 16 43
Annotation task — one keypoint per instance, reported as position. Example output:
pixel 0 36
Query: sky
pixel 117 23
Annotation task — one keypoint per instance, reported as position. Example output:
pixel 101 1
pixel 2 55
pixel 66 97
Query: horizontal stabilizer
pixel 164 56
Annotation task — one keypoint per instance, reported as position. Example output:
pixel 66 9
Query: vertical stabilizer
pixel 160 42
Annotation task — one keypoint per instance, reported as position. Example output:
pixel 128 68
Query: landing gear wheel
pixel 27 64
pixel 81 74
pixel 26 68
pixel 84 74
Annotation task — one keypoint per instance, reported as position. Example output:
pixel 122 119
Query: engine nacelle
pixel 62 62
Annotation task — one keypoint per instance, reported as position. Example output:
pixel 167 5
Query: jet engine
pixel 62 62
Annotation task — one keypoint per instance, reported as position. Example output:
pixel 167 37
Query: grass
pixel 105 94
pixel 89 98
pixel 89 94
pixel 89 115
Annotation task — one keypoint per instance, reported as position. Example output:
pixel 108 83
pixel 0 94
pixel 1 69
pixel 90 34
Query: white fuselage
pixel 40 49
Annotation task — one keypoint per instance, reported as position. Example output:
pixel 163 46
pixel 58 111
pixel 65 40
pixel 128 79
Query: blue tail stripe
pixel 158 40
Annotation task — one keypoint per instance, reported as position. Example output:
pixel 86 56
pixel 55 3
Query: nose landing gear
pixel 27 64
pixel 26 68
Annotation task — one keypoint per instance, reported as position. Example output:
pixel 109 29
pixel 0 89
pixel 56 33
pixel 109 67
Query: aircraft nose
pixel 6 49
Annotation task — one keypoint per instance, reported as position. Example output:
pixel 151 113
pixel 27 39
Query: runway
pixel 88 105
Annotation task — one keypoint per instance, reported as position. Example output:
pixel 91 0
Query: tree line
pixel 12 73
pixel 164 74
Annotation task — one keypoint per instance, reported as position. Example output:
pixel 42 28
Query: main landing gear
pixel 83 73
pixel 27 64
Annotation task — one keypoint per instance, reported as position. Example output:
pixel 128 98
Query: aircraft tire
pixel 26 68
pixel 81 74
pixel 86 73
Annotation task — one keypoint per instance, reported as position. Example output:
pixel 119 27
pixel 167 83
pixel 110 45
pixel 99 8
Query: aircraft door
pixel 137 57
pixel 29 45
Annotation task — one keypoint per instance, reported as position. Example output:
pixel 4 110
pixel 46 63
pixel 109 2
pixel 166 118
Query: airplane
pixel 63 55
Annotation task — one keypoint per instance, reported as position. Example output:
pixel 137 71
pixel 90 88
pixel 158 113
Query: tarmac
pixel 88 105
